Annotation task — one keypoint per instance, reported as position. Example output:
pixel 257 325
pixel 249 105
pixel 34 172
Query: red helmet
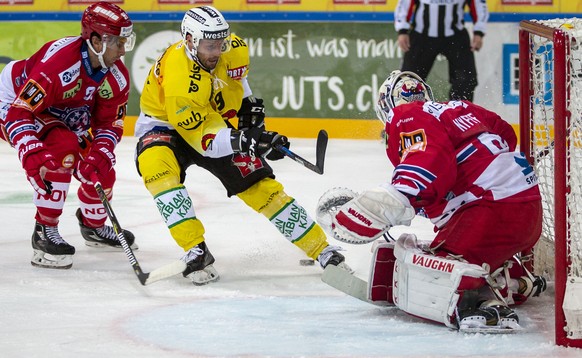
pixel 105 18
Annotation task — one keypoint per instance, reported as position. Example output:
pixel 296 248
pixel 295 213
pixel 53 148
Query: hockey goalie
pixel 455 163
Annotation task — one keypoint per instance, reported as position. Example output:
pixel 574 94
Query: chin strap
pixel 99 54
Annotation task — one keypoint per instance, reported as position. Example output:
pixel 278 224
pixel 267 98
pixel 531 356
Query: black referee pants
pixel 457 49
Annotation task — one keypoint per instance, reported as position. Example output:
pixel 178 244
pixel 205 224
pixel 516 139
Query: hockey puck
pixel 307 262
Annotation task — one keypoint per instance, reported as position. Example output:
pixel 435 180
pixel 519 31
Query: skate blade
pixel 515 328
pixel 44 260
pixel 204 276
pixel 105 247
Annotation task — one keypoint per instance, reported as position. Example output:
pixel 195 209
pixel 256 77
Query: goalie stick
pixel 320 148
pixel 346 282
pixel 145 278
pixel 349 284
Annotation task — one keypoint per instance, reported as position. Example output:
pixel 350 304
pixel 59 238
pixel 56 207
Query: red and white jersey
pixel 58 85
pixel 447 155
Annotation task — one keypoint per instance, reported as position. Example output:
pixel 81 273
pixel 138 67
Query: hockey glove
pixel 100 160
pixel 251 113
pixel 256 142
pixel 36 161
pixel 275 154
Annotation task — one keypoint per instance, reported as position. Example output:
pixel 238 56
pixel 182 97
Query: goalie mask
pixel 204 23
pixel 401 88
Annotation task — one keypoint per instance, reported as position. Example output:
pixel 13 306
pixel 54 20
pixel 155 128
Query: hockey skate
pixel 104 236
pixel 330 256
pixel 199 267
pixel 46 240
pixel 531 286
pixel 490 317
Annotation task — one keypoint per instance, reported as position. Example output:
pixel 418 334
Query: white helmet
pixel 400 88
pixel 205 23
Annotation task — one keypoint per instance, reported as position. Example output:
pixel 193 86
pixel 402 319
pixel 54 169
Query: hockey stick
pixel 145 278
pixel 347 283
pixel 544 151
pixel 320 149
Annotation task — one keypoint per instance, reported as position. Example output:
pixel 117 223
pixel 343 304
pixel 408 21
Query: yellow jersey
pixel 182 96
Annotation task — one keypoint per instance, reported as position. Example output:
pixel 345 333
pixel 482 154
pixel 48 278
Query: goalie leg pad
pixel 428 286
pixel 381 272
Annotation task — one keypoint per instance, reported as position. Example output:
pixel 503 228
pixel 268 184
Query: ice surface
pixel 265 303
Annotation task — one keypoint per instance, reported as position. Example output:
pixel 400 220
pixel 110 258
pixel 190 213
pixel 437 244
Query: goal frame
pixel 562 117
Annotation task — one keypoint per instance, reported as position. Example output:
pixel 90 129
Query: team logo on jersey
pixel 70 74
pixel 31 96
pixel 77 119
pixel 412 142
pixel 246 164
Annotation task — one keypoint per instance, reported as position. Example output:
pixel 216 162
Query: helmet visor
pixel 118 42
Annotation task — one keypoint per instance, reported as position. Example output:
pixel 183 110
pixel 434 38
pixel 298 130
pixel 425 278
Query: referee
pixel 427 28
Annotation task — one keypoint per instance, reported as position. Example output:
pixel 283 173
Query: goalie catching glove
pixel 258 143
pixel 366 217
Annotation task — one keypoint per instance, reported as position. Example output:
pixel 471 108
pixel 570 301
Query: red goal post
pixel 550 115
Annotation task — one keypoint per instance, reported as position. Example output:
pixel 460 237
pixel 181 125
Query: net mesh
pixel 543 143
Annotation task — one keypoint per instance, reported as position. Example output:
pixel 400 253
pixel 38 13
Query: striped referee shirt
pixel 439 18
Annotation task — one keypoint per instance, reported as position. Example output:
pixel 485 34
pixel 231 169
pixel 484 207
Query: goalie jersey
pixel 57 86
pixel 449 155
pixel 191 100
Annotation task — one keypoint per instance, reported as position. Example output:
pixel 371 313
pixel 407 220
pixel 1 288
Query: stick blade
pixel 321 148
pixel 169 270
pixel 346 282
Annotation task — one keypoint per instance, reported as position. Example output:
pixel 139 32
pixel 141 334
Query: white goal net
pixel 551 137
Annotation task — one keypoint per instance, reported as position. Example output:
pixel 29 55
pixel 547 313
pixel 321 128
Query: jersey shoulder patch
pixel 237 59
